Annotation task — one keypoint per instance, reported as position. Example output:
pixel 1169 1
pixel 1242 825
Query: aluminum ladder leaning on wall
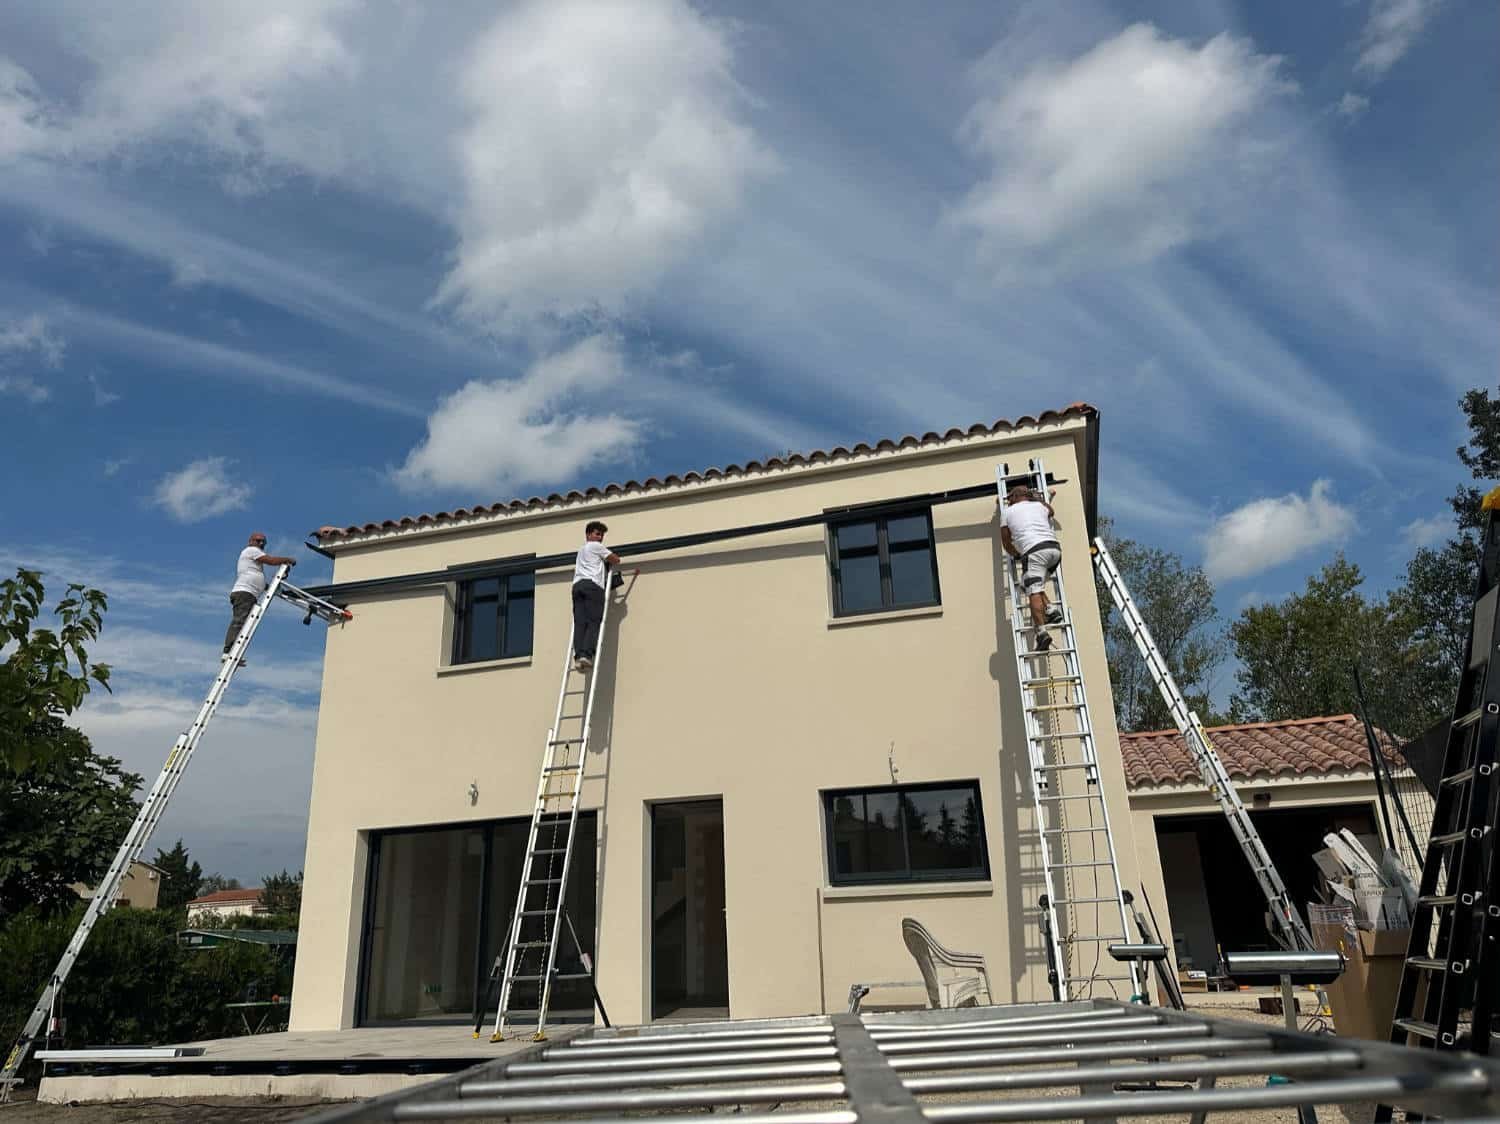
pixel 1083 909
pixel 1286 925
pixel 536 922
pixel 155 804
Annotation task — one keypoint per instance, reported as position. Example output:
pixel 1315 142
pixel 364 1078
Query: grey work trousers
pixel 240 605
pixel 588 614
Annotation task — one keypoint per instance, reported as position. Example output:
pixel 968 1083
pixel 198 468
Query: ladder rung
pixel 1448 839
pixel 1095 795
pixel 558 795
pixel 537 912
pixel 1468 719
pixel 565 741
pixel 550 851
pixel 1069 830
pixel 1093 940
pixel 1082 901
pixel 1068 765
pixel 543 881
pixel 1053 651
pixel 1417 1027
pixel 1464 776
pixel 1054 706
pixel 534 944
pixel 1049 680
pixel 1427 964
pixel 558 768
pixel 1437 899
pixel 1079 866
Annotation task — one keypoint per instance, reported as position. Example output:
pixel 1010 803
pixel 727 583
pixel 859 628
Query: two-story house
pixel 801 737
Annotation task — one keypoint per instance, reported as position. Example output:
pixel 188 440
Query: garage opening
pixel 1215 900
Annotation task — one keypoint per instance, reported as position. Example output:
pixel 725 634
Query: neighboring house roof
pixel 229 897
pixel 1299 747
pixel 332 535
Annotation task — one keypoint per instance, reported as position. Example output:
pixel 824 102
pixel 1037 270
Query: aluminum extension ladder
pixel 1083 909
pixel 1286 923
pixel 1450 981
pixel 536 922
pixel 155 804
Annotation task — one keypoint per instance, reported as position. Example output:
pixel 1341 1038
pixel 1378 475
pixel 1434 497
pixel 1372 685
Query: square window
pixel 888 562
pixel 493 618
pixel 905 833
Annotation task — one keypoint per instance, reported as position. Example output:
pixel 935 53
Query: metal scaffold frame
pixel 1039 1061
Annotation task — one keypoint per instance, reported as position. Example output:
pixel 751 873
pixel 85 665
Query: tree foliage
pixel 132 983
pixel 181 877
pixel 282 893
pixel 46 672
pixel 1297 655
pixel 213 883
pixel 63 818
pixel 1177 603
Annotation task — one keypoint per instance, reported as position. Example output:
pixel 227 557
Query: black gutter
pixel 340 592
pixel 1091 477
pixel 316 549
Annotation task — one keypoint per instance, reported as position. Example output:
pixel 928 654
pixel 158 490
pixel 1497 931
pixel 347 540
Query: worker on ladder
pixel 249 584
pixel 1028 535
pixel 590 581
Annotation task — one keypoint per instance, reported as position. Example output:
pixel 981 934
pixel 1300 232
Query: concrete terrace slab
pixel 335 1064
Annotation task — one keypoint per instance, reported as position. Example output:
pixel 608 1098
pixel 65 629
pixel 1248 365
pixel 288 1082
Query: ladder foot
pixel 539 1036
pixel 497 1038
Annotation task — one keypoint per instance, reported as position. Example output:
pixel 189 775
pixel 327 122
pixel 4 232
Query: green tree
pixel 45 672
pixel 213 883
pixel 63 818
pixel 181 877
pixel 1177 603
pixel 1297 655
pixel 282 893
pixel 1438 592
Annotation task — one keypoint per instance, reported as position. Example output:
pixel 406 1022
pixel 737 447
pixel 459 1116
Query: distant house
pixel 139 889
pixel 225 903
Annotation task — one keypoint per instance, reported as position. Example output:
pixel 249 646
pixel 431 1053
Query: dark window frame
pixel 980 873
pixel 376 837
pixel 882 551
pixel 463 607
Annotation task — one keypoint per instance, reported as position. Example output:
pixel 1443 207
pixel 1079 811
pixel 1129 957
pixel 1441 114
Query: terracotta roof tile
pixel 220 897
pixel 331 534
pixel 1300 747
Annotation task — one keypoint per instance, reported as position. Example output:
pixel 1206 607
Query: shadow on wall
pixel 1020 848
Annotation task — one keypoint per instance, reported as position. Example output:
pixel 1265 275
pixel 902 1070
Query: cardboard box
pixel 1364 997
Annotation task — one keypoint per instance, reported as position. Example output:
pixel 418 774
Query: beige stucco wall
pixel 725 677
pixel 139 889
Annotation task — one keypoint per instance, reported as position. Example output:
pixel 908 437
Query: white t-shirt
pixel 248 577
pixel 1029 524
pixel 590 564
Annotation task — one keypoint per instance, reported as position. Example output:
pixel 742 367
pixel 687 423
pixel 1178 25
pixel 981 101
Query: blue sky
pixel 278 263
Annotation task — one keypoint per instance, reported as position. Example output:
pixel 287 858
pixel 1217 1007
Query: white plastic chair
pixel 953 979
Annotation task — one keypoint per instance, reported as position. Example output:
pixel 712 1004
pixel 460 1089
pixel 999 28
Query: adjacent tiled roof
pixel 329 534
pixel 224 897
pixel 1301 747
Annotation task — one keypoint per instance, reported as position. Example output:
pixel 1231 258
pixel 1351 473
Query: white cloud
pixel 1427 532
pixel 1351 106
pixel 1389 33
pixel 1116 156
pixel 604 142
pixel 27 340
pixel 218 75
pixel 31 337
pixel 1267 532
pixel 135 590
pixel 505 435
pixel 112 467
pixel 165 657
pixel 201 490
